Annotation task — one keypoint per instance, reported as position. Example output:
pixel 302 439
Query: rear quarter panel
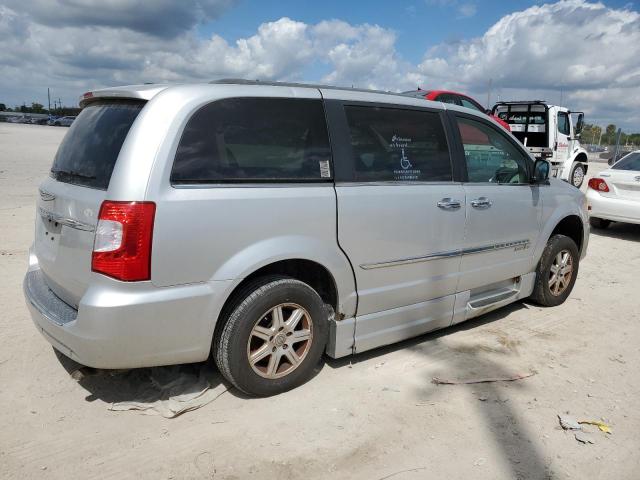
pixel 226 232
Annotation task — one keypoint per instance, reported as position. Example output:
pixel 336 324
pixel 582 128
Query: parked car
pixel 455 98
pixel 63 121
pixel 265 224
pixel 549 133
pixel 614 194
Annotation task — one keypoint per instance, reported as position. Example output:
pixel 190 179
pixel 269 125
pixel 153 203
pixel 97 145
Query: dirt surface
pixel 373 416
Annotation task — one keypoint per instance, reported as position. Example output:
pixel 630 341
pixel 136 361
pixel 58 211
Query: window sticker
pixel 406 171
pixel 325 171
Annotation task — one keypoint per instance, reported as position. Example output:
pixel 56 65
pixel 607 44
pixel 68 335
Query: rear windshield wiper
pixel 73 174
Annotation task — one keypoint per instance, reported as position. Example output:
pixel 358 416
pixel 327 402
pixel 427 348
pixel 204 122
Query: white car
pixel 614 194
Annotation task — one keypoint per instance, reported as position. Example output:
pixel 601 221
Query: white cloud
pixel 586 50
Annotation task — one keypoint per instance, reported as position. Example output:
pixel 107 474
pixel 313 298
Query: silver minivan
pixel 265 224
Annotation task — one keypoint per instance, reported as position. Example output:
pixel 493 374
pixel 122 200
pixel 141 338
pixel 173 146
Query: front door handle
pixel 449 204
pixel 481 203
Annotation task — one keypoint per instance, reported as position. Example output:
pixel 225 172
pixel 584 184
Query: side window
pixel 392 144
pixel 563 123
pixel 467 102
pixel 490 156
pixel 448 98
pixel 254 139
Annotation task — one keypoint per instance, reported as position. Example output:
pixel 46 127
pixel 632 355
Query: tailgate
pixel 65 222
pixel 70 199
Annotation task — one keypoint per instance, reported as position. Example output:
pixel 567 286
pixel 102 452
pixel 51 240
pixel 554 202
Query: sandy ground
pixel 374 416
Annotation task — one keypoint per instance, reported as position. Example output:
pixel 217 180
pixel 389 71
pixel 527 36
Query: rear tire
pixel 576 177
pixel 556 272
pixel 273 339
pixel 600 223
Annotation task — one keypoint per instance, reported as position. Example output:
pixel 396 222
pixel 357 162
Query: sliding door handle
pixel 481 203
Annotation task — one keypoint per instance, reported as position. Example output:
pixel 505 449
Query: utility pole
pixel 489 94
pixel 49 101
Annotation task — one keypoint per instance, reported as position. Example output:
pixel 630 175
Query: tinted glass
pixel 254 139
pixel 467 102
pixel 90 148
pixel 630 162
pixel 398 145
pixel 490 156
pixel 563 123
pixel 448 98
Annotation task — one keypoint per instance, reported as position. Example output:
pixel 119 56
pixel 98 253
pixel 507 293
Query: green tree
pixel 3 107
pixel 609 137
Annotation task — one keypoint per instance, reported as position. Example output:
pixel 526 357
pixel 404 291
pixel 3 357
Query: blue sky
pixel 418 24
pixel 529 49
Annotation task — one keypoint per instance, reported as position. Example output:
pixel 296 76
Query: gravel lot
pixel 374 416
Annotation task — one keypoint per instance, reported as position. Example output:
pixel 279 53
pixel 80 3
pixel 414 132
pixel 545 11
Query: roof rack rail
pixel 521 102
pixel 242 81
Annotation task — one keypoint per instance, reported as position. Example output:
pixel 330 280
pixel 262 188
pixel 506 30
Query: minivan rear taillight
pixel 122 245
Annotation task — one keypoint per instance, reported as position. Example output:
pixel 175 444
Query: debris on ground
pixel 444 381
pixel 601 425
pixel 584 437
pixel 167 391
pixel 569 423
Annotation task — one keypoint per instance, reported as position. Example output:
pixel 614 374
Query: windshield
pixel 89 151
pixel 630 162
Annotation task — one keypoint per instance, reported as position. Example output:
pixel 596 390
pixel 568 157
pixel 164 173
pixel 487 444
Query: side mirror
pixel 541 170
pixel 579 124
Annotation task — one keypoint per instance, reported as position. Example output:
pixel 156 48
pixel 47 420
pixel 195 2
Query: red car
pixel 456 98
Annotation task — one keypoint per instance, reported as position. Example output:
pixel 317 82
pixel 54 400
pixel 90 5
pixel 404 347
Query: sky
pixel 585 55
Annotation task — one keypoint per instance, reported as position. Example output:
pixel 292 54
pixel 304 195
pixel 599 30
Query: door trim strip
pixel 516 245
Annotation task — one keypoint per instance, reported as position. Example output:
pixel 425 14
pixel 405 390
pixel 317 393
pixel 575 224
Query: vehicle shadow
pixel 146 385
pixel 505 424
pixel 622 231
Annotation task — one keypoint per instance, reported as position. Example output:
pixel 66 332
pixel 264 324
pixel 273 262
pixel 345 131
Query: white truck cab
pixel 548 131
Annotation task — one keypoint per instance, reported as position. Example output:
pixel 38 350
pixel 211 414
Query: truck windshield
pixel 89 151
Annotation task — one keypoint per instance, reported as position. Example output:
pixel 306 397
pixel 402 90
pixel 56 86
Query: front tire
pixel 556 272
pixel 274 338
pixel 600 223
pixel 576 177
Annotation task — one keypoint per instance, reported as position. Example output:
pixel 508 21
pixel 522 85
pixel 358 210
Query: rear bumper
pixel 127 325
pixel 615 209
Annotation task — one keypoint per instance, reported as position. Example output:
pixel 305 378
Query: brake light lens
pixel 598 184
pixel 122 245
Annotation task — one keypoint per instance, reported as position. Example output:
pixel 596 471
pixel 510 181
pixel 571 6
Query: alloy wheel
pixel 280 340
pixel 560 272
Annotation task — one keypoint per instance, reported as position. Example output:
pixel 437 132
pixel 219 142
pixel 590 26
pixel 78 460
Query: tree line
pixel 591 134
pixel 39 108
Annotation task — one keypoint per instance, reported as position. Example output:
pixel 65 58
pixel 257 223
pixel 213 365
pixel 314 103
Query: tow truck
pixel 548 132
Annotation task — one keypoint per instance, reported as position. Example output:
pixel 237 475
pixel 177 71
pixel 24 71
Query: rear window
pixel 399 145
pixel 629 162
pixel 254 140
pixel 90 148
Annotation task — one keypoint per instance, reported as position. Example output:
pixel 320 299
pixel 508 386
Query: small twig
pixel 444 381
pixel 403 471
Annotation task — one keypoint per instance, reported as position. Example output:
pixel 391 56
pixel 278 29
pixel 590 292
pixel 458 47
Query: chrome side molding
pixel 516 245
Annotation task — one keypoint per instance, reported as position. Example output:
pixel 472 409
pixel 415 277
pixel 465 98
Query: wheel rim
pixel 560 273
pixel 578 176
pixel 280 340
